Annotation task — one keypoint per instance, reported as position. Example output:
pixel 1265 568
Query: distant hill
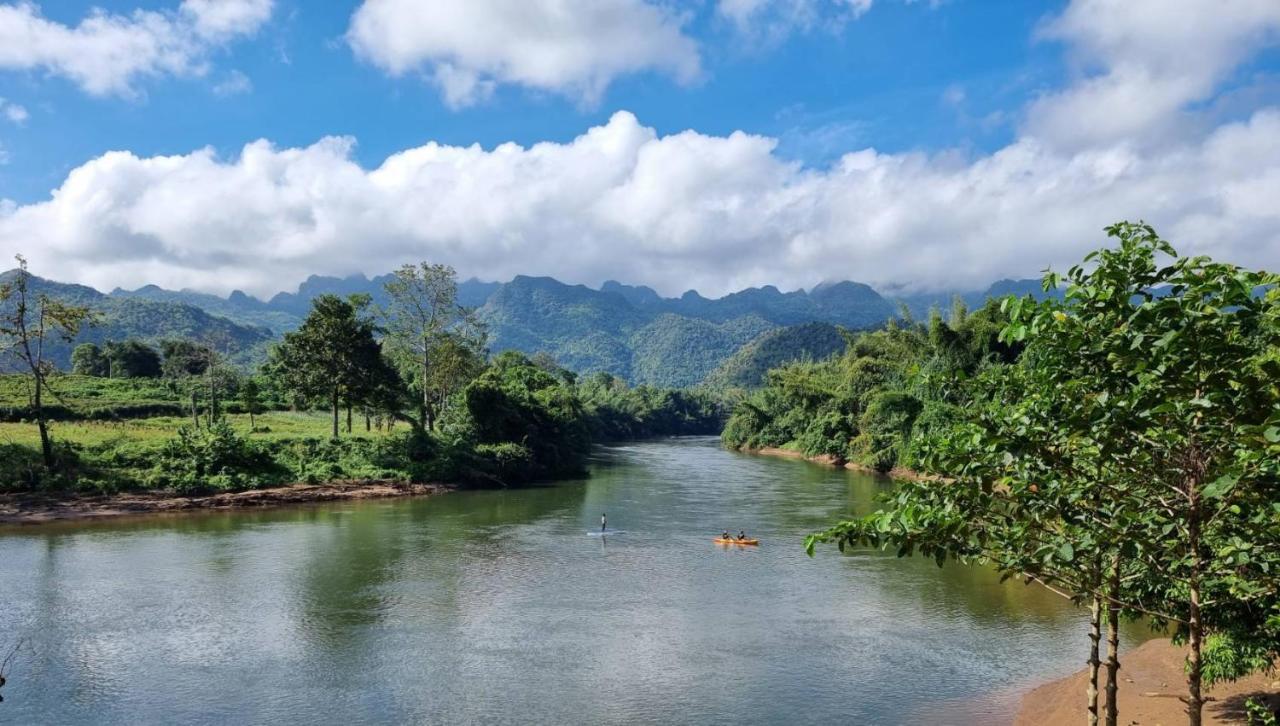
pixel 636 334
pixel 628 330
pixel 747 366
pixel 151 320
pixel 285 310
pixel 677 352
pixel 919 304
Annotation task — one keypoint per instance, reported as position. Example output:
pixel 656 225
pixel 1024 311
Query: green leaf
pixel 1220 486
pixel 1066 552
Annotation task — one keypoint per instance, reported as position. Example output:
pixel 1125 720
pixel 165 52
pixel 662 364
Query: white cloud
pixel 1142 62
pixel 571 47
pixel 14 112
pixel 716 213
pixel 235 83
pixel 771 21
pixel 685 210
pixel 107 53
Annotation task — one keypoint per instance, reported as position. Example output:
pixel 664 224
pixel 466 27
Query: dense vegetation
pixel 1117 442
pixel 401 391
pixel 876 401
pixel 748 367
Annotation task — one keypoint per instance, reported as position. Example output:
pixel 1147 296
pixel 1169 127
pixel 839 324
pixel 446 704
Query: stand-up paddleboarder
pixel 604 522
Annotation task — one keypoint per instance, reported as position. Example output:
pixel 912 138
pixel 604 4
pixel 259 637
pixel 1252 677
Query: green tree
pixel 424 321
pixel 251 398
pixel 1129 457
pixel 1186 355
pixel 329 356
pixel 87 360
pixel 27 321
pixel 132 359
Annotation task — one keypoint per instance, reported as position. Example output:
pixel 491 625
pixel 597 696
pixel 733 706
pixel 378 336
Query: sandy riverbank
pixel 1151 682
pixel 39 508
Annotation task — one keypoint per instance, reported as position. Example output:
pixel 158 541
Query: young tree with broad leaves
pixel 1139 443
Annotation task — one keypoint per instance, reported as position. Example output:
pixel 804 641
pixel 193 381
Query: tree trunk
pixel 368 425
pixel 348 417
pixel 195 411
pixel 252 425
pixel 1195 702
pixel 1113 644
pixel 46 446
pixel 335 413
pixel 1095 635
pixel 425 406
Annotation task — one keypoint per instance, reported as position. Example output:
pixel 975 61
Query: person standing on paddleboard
pixel 604 522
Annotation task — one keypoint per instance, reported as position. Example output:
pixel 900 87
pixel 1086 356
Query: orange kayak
pixel 735 540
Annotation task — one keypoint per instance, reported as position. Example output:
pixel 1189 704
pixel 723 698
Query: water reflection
pixel 498 606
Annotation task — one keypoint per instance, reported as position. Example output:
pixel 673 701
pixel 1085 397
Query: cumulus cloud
pixel 716 213
pixel 1141 62
pixel 106 53
pixel 574 48
pixel 686 210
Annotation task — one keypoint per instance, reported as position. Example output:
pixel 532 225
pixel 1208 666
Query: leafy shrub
pixel 214 459
pixel 828 434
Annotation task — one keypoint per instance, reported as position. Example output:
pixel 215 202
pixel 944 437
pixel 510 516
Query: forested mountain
pixel 150 319
pixel 637 335
pixel 747 367
pixel 630 331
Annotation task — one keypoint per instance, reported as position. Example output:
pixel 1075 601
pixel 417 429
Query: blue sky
pixel 953 95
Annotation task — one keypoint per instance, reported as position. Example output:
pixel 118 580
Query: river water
pixel 500 607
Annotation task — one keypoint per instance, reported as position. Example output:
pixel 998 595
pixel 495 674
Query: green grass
pixel 88 392
pixel 278 424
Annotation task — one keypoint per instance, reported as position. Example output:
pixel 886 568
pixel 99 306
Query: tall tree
pixel 330 354
pixel 1132 463
pixel 27 319
pixel 423 321
pixel 1187 362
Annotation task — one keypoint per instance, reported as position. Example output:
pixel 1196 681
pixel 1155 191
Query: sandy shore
pixel 37 509
pixel 1151 682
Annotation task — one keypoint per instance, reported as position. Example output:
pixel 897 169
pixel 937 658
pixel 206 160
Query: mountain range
pixel 628 330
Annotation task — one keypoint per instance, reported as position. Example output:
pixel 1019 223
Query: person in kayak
pixel 604 521
pixel 742 534
pixel 726 535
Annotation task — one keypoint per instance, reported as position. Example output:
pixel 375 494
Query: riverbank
pixel 1152 680
pixel 30 509
pixel 897 472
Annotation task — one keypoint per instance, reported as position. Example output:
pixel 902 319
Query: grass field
pixel 272 426
pixel 88 391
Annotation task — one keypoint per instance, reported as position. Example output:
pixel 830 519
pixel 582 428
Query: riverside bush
pixel 214 459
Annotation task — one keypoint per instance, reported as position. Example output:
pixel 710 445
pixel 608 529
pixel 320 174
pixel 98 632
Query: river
pixel 499 607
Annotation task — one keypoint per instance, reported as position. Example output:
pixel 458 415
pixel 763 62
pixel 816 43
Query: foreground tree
pixel 27 320
pixel 1139 450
